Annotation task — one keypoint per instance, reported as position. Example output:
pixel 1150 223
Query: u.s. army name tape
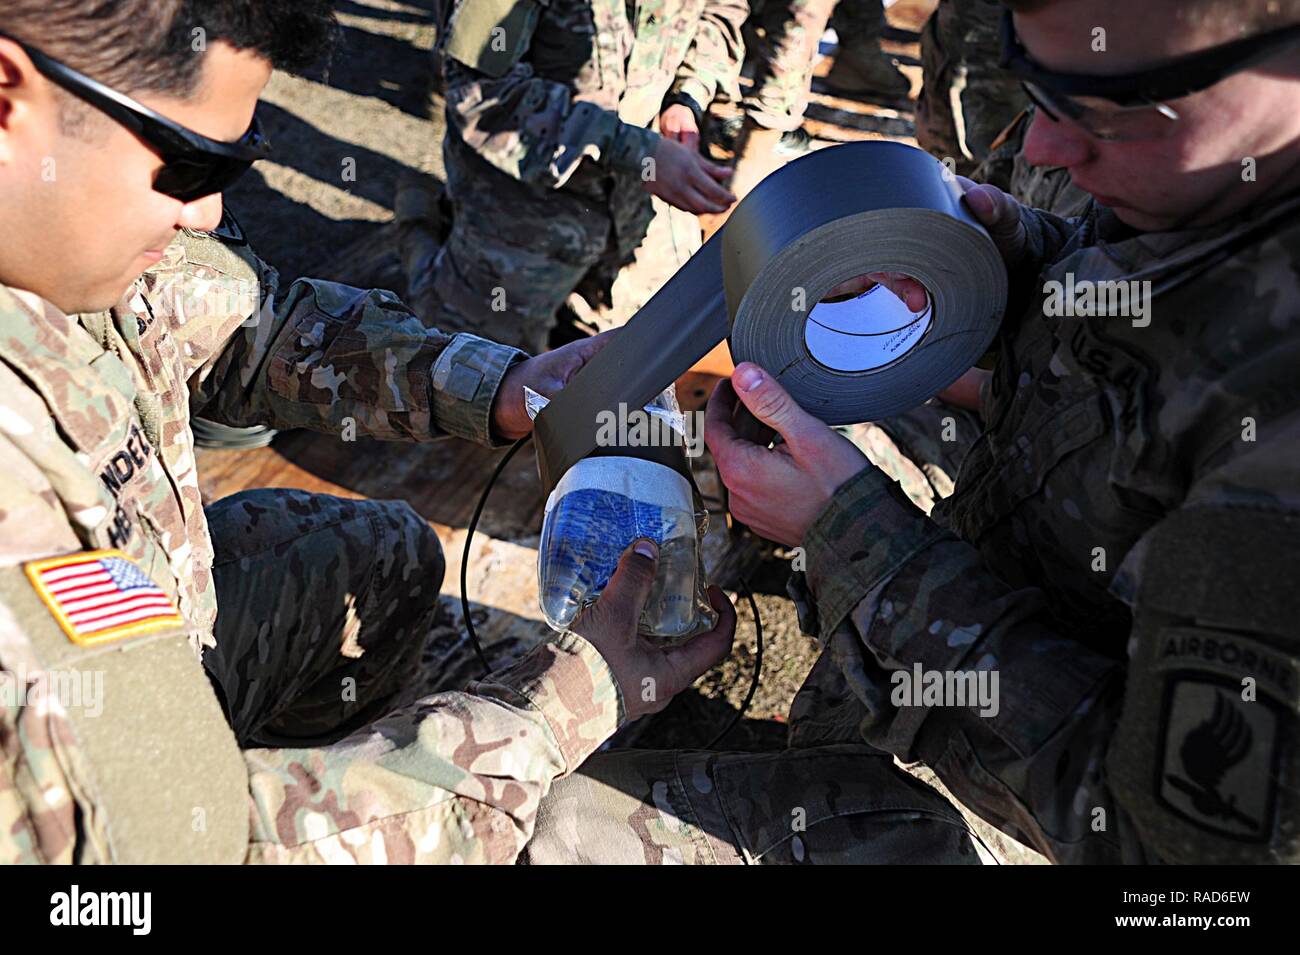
pixel 832 215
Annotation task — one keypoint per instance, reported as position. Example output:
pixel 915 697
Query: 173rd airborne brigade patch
pixel 1218 758
pixel 100 596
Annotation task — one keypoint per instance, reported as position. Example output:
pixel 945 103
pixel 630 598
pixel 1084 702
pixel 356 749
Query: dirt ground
pixel 344 136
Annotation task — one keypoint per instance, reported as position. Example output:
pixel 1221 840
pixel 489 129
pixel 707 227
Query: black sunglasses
pixel 1142 94
pixel 194 166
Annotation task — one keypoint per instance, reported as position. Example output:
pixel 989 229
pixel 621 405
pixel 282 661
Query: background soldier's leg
pixel 514 254
pixel 324 608
pixel 860 64
pixel 859 23
pixel 619 284
pixel 832 804
pixel 966 100
pixel 990 97
pixel 775 103
pixel 490 287
pixel 783 71
pixel 936 130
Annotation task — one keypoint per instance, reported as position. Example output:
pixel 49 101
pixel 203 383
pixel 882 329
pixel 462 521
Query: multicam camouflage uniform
pixel 966 99
pixel 311 608
pixel 784 65
pixel 829 803
pixel 1119 548
pixel 546 147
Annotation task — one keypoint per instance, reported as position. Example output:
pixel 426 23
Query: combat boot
pixel 866 70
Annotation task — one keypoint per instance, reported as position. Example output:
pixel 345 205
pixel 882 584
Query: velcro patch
pixel 100 596
pixel 491 35
pixel 1218 758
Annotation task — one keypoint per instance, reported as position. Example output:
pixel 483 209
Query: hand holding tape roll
pixel 829 216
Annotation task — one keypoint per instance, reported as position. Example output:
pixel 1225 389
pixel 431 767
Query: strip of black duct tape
pixel 829 216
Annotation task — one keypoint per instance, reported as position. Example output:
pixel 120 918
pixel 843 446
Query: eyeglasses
pixel 194 166
pixel 1103 119
pixel 1135 105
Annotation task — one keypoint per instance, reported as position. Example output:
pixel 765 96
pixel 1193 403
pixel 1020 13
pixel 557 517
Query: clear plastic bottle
pixel 601 505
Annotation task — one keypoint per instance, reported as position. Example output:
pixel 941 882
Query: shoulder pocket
pixel 491 35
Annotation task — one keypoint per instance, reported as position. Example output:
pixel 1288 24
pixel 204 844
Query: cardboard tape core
pixel 864 333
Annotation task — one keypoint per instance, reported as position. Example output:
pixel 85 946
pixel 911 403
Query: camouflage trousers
pixel 325 604
pixel 829 798
pixel 485 283
pixel 788 51
pixel 966 99
pixel 515 253
pixel 831 804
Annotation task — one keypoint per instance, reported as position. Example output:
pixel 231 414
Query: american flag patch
pixel 101 595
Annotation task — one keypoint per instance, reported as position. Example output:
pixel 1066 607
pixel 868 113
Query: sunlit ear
pixel 16 93
pixel 9 74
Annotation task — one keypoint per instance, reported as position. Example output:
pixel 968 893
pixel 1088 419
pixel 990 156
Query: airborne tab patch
pixel 100 596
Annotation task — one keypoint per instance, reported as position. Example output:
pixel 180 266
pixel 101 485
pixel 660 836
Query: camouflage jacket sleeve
pixel 319 355
pixel 1078 754
pixel 530 128
pixel 712 62
pixel 455 777
pixel 38 813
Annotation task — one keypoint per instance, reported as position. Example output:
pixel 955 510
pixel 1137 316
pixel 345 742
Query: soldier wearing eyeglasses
pixel 1121 539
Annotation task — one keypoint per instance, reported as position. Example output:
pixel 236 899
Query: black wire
pixel 758 626
pixel 758 667
pixel 469 539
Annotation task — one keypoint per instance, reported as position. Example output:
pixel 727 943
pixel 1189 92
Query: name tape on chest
pixel 101 596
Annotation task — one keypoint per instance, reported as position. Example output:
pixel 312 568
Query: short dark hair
pixel 139 46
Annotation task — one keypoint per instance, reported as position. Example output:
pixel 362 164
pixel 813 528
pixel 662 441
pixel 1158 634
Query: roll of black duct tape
pixel 826 217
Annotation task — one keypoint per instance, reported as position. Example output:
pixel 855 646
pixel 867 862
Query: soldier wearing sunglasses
pixel 127 304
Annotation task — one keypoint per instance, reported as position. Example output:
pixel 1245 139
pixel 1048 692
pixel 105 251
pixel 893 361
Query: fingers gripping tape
pixel 832 215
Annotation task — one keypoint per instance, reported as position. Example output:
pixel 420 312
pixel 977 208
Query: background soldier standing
pixel 774 107
pixel 551 161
